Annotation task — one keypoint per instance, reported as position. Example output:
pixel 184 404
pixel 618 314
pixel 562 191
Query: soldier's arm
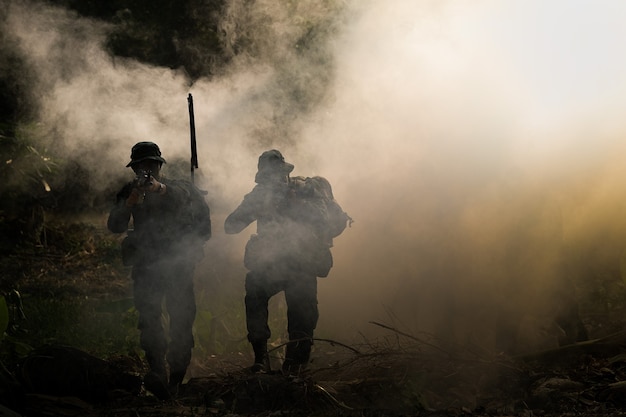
pixel 245 213
pixel 119 216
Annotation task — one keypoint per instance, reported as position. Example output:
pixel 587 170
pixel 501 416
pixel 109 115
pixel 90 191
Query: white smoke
pixel 470 141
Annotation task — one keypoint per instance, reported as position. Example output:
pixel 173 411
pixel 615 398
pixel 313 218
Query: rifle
pixel 143 178
pixel 192 130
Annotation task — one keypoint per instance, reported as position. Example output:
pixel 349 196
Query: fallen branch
pixel 448 354
pixel 332 342
pixel 401 333
pixel 334 400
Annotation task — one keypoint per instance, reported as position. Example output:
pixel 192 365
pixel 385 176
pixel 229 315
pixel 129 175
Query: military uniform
pixel 163 248
pixel 289 251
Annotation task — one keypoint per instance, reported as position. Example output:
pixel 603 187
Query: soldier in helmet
pixel 289 251
pixel 169 230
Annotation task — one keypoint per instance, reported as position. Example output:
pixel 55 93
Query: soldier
pixel 171 222
pixel 297 218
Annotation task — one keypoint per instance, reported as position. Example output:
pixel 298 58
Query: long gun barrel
pixel 192 131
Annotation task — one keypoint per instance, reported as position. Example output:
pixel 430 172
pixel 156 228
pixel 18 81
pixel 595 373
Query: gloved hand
pixel 137 194
pixel 135 197
pixel 154 186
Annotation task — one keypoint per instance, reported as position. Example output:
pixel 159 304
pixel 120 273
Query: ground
pixel 401 376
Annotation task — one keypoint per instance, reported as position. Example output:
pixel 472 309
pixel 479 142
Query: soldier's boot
pixel 261 357
pixel 297 355
pixel 178 360
pixel 155 380
pixel 176 380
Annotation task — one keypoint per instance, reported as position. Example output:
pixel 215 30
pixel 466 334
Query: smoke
pixel 478 148
pixel 477 145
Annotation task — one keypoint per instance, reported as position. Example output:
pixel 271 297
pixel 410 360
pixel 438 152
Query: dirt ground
pixel 409 377
pixel 580 380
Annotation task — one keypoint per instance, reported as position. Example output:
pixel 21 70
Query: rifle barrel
pixel 192 131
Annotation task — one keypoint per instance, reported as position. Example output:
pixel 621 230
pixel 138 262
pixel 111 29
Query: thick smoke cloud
pixel 478 148
pixel 477 145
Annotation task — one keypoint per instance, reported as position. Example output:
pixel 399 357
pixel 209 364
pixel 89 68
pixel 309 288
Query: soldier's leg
pixel 148 293
pixel 181 307
pixel 259 290
pixel 302 316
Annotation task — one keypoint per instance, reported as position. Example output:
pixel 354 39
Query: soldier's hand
pixel 148 185
pixel 134 198
pixel 155 187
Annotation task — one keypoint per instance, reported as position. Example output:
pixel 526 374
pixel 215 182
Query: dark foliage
pixel 174 34
pixel 16 103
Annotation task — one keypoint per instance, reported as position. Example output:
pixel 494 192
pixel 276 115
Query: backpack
pixel 311 253
pixel 319 187
pixel 197 216
pixel 320 259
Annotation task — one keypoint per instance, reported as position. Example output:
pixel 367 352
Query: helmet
pixel 145 150
pixel 273 161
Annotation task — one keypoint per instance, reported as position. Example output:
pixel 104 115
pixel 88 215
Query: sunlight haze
pixel 473 143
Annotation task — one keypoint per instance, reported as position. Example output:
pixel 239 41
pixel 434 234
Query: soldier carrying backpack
pixel 297 219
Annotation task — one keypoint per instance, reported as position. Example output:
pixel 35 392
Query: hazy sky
pixel 471 141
